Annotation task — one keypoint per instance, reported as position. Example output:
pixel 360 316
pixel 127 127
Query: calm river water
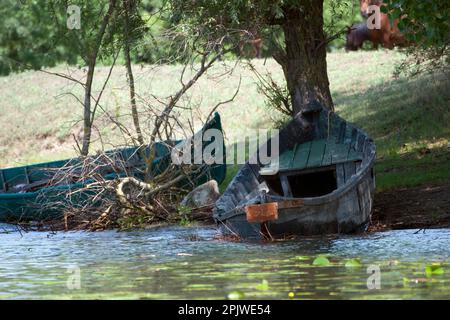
pixel 193 263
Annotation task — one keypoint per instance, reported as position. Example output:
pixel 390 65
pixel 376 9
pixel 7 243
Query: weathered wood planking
pixel 3 181
pixel 349 169
pixel 316 153
pixel 302 155
pixel 340 175
pixel 286 159
pixel 286 186
pixel 340 153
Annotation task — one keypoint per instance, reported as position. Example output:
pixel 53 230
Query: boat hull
pixel 49 202
pixel 348 213
pixel 345 210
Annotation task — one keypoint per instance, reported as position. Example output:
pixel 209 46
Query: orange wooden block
pixel 262 212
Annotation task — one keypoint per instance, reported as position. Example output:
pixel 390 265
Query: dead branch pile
pixel 115 195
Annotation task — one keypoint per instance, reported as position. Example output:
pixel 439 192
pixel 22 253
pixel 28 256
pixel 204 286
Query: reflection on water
pixel 176 263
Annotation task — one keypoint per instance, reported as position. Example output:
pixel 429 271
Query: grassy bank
pixel 408 118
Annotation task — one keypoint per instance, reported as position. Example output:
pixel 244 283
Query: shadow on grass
pixel 409 120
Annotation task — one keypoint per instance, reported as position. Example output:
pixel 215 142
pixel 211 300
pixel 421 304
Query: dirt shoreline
pixel 423 207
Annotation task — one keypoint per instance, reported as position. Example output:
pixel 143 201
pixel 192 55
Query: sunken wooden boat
pixel 323 183
pixel 33 193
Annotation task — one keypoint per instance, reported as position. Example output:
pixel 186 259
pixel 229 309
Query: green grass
pixel 408 118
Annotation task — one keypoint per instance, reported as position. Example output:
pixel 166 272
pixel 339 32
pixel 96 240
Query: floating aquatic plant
pixel 236 295
pixel 321 261
pixel 434 269
pixel 263 286
pixel 353 263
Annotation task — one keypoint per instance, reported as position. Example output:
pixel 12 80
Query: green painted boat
pixel 29 193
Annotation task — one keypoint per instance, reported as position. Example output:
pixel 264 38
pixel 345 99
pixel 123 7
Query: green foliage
pixel 426 27
pixel 27 37
pixel 84 41
pixel 263 16
pixel 35 33
pixel 338 16
pixel 184 212
pixel 426 23
pixel 164 41
pixel 135 221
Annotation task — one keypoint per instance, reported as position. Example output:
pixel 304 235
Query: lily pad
pixel 434 269
pixel 321 261
pixel 353 263
pixel 236 295
pixel 301 258
pixel 263 286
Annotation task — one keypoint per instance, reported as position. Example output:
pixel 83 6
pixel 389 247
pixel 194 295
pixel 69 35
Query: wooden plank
pixel 340 175
pixel 353 137
pixel 4 185
pixel 317 153
pixel 340 153
pixel 259 213
pixel 239 193
pixel 301 156
pixel 358 165
pixel 349 170
pixel 360 142
pixel 354 155
pixel 35 185
pixel 342 131
pixel 334 123
pixel 285 185
pixel 337 153
pixel 366 149
pixel 327 155
pixel 285 161
pixel 27 177
pixel 323 125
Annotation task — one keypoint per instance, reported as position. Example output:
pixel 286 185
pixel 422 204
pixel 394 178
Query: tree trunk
pixel 304 60
pixel 92 60
pixel 87 123
pixel 134 111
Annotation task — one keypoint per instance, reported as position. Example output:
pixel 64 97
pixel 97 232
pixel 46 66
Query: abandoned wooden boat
pixel 323 183
pixel 32 192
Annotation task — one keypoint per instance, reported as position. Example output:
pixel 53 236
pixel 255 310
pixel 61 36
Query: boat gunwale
pixel 43 190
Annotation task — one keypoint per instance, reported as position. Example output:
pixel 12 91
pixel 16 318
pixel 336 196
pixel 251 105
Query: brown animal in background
pixel 383 35
pixel 364 6
pixel 253 38
pixel 388 35
pixel 357 34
